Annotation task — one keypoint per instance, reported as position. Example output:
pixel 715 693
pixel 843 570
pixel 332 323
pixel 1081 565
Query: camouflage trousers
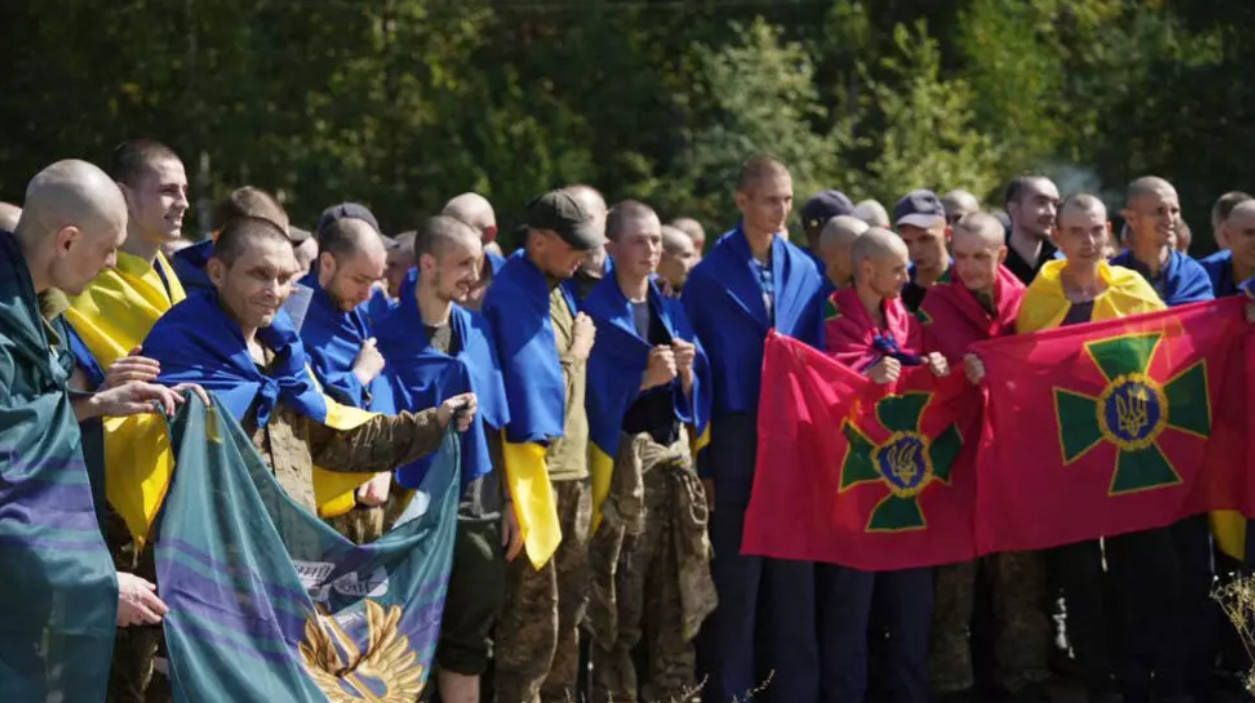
pixel 132 674
pixel 654 548
pixel 537 653
pixel 1022 629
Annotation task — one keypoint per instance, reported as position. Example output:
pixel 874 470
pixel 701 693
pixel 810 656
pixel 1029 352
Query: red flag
pixel 953 319
pixel 852 473
pixel 1113 427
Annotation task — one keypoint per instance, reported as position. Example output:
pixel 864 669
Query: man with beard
pixel 1030 202
pixel 338 336
pixel 436 349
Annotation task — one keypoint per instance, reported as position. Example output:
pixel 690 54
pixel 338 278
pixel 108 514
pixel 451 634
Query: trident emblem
pixel 1134 416
pixel 903 462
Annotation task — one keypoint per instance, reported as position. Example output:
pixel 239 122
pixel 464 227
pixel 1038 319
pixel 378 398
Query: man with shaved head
pixel 1080 288
pixel 60 606
pixel 648 392
pixel 751 281
pixel 1221 267
pixel 982 302
pixel 959 203
pixel 598 264
pixel 871 331
pixel 873 213
pixel 9 215
pixel 401 258
pixel 1165 574
pixel 475 210
pixel 1153 213
pixel 1030 202
pixel 679 256
pixel 246 201
pixel 835 242
pixel 695 231
pixel 436 349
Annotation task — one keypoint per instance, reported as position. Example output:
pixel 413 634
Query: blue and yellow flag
pixel 110 318
pixel 615 368
pixel 517 310
pixel 196 343
pixel 268 603
pixel 58 594
pixel 419 377
pixel 333 339
pixel 1045 304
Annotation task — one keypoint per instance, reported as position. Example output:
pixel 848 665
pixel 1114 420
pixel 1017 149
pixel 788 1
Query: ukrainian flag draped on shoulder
pixel 110 318
pixel 59 595
pixel 1045 305
pixel 268 603
pixel 618 360
pixel 724 301
pixel 517 310
pixel 421 377
pixel 196 343
pixel 333 339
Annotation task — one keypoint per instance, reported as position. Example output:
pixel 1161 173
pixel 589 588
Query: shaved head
pixel 675 240
pixel 1239 232
pixel 983 226
pixel 627 216
pixel 442 233
pixel 873 213
pixel 760 168
pixel 72 224
pixel 349 236
pixel 959 203
pixel 876 243
pixel 1082 203
pixel 1149 186
pixel 840 231
pixel 1220 214
pixel 473 209
pixel 9 215
pixel 250 202
pixel 692 228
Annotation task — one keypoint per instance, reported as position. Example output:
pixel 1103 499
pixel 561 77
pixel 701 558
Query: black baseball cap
pixel 920 208
pixel 356 211
pixel 560 212
pixel 823 206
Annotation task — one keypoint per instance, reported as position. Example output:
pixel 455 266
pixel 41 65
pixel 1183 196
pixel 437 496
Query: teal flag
pixel 58 589
pixel 268 603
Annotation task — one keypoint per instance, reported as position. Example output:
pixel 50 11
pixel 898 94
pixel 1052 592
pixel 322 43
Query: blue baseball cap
pixel 355 211
pixel 823 206
pixel 920 208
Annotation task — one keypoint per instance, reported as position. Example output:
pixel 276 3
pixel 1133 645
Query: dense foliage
pixel 403 103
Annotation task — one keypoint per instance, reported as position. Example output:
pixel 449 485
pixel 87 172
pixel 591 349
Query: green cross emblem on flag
pixel 904 465
pixel 1132 411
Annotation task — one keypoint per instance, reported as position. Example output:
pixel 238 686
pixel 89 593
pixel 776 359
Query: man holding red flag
pixel 870 330
pixel 982 304
pixel 1077 289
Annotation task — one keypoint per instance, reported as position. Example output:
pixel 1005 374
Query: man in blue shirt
pixel 1163 577
pixel 751 281
pixel 1226 275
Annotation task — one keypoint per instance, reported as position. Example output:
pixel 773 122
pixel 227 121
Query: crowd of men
pixel 605 314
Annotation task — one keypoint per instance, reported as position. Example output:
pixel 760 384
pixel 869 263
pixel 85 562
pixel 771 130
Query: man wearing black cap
pixel 822 207
pixel 921 222
pixel 543 346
